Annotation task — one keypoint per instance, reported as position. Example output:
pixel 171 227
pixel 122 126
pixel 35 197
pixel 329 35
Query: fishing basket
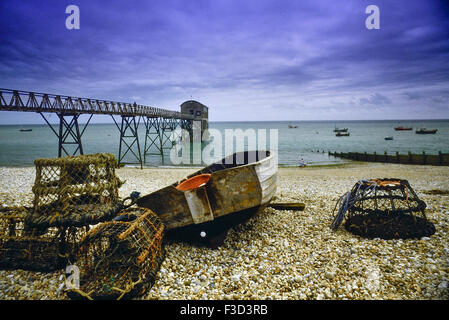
pixel 24 247
pixel 120 259
pixel 383 208
pixel 75 191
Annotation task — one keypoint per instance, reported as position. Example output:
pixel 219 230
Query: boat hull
pixel 426 131
pixel 233 189
pixel 403 129
pixel 212 233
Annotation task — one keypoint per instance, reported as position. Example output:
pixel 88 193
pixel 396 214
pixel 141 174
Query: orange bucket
pixel 194 182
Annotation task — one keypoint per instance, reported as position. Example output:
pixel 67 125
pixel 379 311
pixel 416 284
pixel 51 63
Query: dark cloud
pixel 233 55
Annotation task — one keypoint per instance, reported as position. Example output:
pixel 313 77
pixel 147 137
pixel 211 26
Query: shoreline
pixel 281 255
pixel 192 167
pixel 283 166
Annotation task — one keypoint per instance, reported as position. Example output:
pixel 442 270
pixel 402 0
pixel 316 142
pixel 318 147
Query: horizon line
pixel 240 121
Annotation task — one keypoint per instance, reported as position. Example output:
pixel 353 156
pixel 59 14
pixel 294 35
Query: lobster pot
pixel 23 247
pixel 75 190
pixel 387 209
pixel 120 259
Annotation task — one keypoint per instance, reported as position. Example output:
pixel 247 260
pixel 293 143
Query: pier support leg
pixel 160 135
pixel 152 138
pixel 128 138
pixel 69 133
pixel 167 128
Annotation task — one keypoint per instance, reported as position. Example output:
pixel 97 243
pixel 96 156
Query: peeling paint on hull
pixel 233 193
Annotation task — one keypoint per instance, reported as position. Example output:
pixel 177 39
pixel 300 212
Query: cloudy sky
pixel 246 60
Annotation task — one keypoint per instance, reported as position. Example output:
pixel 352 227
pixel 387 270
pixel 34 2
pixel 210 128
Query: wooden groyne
pixel 440 159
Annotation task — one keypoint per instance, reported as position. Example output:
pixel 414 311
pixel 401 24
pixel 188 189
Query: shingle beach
pixel 279 254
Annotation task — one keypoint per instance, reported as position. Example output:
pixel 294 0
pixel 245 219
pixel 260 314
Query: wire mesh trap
pixel 383 208
pixel 120 259
pixel 24 247
pixel 75 191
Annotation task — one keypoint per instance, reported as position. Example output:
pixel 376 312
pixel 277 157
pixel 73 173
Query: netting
pixel 24 247
pixel 75 191
pixel 383 208
pixel 120 259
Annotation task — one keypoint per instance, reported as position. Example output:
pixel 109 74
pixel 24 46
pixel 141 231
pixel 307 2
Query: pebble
pixel 442 285
pixel 235 277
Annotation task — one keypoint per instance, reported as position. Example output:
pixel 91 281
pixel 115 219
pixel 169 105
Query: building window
pixel 191 111
pixel 198 113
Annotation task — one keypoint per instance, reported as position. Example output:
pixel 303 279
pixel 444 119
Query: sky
pixel 246 60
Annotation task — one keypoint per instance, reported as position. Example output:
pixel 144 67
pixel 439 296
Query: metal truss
pixel 17 100
pixel 128 138
pixel 152 138
pixel 68 129
pixel 160 123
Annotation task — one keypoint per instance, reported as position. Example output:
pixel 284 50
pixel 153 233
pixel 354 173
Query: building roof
pixel 189 102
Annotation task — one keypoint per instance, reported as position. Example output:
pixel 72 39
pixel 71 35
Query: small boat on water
pixel 426 131
pixel 25 130
pixel 401 128
pixel 292 126
pixel 389 138
pixel 208 202
pixel 341 134
pixel 340 130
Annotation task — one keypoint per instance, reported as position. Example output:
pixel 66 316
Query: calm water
pixel 306 142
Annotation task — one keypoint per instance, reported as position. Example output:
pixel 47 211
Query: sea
pixel 309 142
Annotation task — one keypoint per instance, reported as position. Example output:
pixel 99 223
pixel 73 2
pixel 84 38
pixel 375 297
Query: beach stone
pixel 236 277
pixel 442 285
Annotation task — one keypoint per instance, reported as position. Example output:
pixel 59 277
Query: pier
pixel 440 159
pixel 159 123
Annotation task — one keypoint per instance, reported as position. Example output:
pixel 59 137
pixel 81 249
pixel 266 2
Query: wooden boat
pixel 292 126
pixel 403 128
pixel 425 131
pixel 340 134
pixel 25 130
pixel 340 130
pixel 389 138
pixel 210 201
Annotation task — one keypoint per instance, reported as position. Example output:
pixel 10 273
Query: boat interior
pixel 235 160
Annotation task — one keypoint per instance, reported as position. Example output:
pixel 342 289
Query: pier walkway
pixel 159 123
